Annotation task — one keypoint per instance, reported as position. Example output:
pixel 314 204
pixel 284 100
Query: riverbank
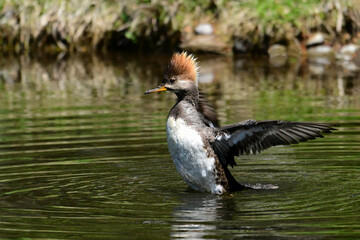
pixel 224 27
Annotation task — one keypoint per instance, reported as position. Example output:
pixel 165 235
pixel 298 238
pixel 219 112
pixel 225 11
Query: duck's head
pixel 180 75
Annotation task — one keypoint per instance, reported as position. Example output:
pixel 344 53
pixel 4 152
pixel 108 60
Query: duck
pixel 200 148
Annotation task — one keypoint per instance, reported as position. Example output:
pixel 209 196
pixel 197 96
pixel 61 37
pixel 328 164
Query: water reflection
pixel 99 75
pixel 200 215
pixel 195 216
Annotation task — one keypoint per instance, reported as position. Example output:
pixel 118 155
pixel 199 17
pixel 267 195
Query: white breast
pixel 187 151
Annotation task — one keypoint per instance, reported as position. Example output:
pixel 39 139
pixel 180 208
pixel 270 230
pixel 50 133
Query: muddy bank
pixel 223 27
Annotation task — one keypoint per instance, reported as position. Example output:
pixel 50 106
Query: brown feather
pixel 182 65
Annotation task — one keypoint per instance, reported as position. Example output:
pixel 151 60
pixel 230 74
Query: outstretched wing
pixel 251 137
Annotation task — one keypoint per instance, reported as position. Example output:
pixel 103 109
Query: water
pixel 83 152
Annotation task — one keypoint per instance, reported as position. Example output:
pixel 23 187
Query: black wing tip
pixel 323 127
pixel 329 130
pixel 333 127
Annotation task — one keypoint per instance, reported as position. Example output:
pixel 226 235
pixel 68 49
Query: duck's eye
pixel 172 80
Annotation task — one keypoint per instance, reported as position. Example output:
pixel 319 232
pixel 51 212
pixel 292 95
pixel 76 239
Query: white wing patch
pixel 223 135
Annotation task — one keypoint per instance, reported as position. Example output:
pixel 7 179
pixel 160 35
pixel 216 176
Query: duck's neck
pixel 190 95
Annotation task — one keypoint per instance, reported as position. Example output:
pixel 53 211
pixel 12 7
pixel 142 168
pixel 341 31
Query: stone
pixel 320 51
pixel 320 60
pixel 204 29
pixel 315 39
pixel 278 55
pixel 347 52
pixel 206 43
pixel 277 50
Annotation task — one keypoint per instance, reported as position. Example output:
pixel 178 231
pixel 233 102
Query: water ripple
pixel 80 160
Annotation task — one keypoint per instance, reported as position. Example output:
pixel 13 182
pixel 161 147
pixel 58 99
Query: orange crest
pixel 184 65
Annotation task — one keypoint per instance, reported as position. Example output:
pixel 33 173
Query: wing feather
pixel 208 112
pixel 251 137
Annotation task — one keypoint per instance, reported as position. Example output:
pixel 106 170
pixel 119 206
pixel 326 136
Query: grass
pixel 88 25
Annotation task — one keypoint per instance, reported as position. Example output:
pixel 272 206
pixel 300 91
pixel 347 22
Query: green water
pixel 83 152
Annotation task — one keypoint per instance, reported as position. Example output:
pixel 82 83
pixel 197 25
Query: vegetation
pixel 71 25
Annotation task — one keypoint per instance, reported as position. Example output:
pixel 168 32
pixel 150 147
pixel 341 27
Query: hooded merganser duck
pixel 200 149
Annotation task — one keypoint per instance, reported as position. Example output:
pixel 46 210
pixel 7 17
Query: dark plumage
pixel 209 113
pixel 251 137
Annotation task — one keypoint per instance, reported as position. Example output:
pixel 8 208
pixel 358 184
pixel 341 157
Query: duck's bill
pixel 157 89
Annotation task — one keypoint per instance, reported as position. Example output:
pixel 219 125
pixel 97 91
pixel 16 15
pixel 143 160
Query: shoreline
pixel 228 27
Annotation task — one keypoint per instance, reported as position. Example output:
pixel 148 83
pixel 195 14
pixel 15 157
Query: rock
pixel 347 52
pixel 204 29
pixel 315 39
pixel 278 55
pixel 320 60
pixel 349 49
pixel 320 51
pixel 205 43
pixel 277 50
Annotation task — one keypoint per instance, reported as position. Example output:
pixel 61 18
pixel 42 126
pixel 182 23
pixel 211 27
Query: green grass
pixel 283 10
